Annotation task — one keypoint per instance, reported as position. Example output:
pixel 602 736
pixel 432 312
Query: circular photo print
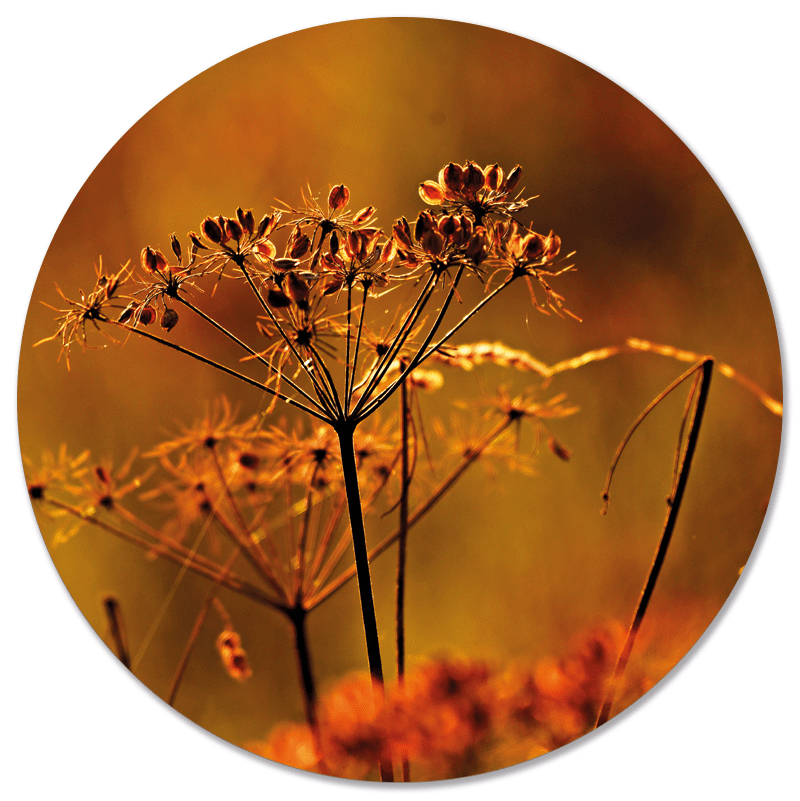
pixel 397 423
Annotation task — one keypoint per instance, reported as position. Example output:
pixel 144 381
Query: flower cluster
pixel 456 717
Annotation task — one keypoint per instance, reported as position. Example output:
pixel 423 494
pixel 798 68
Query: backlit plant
pixel 345 317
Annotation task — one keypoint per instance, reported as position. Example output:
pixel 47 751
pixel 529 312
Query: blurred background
pixel 510 567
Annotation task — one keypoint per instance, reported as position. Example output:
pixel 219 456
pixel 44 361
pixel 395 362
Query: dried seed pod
pixel 331 263
pixel 510 184
pixel 169 319
pixel 153 261
pixel 267 224
pixel 300 244
pixel 195 240
pixel 451 177
pixel 112 285
pixel 102 474
pixel 432 243
pixel 448 227
pixel 223 226
pixel 402 233
pixel 285 264
pixel 558 449
pixel 333 286
pixel 534 247
pixel 176 248
pixel 211 230
pixel 553 245
pixel 147 315
pixel 127 313
pixel 297 289
pixel 369 238
pixel 474 179
pixel 431 193
pixel 353 244
pixel 362 216
pixel 264 251
pixel 246 220
pixel 233 229
pixel 494 176
pixel 334 243
pixel 478 246
pixel 388 252
pixel 425 222
pixel 338 198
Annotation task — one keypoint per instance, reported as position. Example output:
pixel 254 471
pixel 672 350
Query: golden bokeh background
pixel 508 567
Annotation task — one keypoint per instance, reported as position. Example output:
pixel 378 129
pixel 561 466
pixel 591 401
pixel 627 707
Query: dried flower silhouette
pixel 343 318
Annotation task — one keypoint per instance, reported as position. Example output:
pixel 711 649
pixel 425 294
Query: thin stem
pixel 329 382
pixel 636 423
pixel 252 352
pixel 323 397
pixel 674 503
pixel 338 551
pixel 297 617
pixel 303 541
pixel 349 390
pixel 180 556
pixel 198 625
pixel 222 368
pixel 426 349
pixel 347 365
pixel 419 512
pixel 350 475
pixel 244 540
pixel 406 327
pixel 464 320
pixel 261 566
pixel 401 555
pixel 333 521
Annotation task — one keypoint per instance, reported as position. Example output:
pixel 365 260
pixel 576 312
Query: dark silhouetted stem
pixel 420 511
pixel 674 502
pixel 297 616
pixel 401 555
pixel 350 475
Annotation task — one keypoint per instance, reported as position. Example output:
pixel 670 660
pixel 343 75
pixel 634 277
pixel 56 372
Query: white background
pixel 77 75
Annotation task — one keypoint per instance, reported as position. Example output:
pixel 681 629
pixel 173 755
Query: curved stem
pixel 674 503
